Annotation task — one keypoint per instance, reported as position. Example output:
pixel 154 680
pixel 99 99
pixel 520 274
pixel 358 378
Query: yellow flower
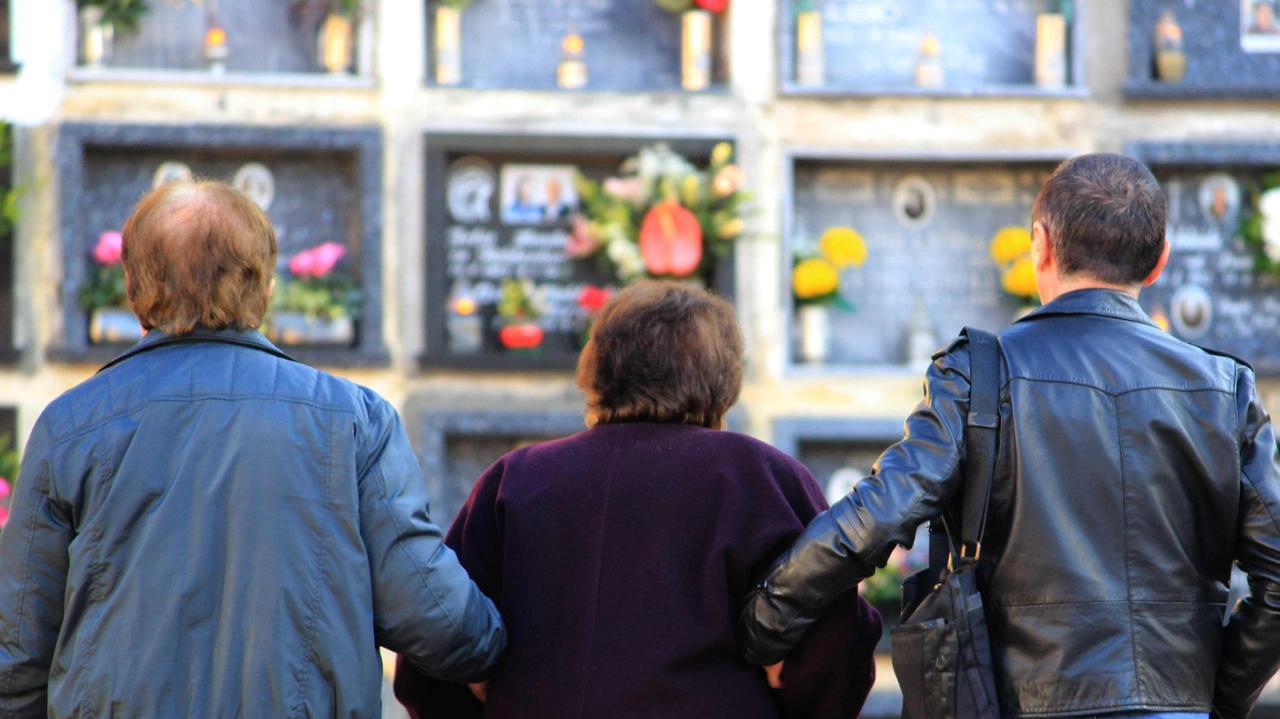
pixel 721 153
pixel 689 190
pixel 1009 244
pixel 1020 279
pixel 814 278
pixel 730 229
pixel 843 246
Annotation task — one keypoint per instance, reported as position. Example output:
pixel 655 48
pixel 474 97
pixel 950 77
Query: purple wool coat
pixel 618 558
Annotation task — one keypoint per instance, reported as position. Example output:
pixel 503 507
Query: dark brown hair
pixel 662 352
pixel 1106 218
pixel 198 254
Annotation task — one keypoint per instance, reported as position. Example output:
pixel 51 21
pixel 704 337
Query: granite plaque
pixel 500 208
pixel 262 37
pixel 317 187
pixel 1232 49
pixel 941 46
pixel 928 229
pixel 628 46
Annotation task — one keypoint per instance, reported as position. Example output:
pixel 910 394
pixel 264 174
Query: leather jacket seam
pixel 1128 568
pixel 1121 393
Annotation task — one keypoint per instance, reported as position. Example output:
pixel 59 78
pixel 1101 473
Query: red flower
pixel 520 337
pixel 670 240
pixel 712 6
pixel 592 298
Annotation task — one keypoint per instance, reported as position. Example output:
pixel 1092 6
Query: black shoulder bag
pixel 941 646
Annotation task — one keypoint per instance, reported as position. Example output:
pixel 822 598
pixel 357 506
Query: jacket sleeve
pixel 425 605
pixel 1251 647
pixel 914 481
pixel 33 577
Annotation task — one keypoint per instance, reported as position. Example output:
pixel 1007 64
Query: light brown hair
pixel 662 352
pixel 198 254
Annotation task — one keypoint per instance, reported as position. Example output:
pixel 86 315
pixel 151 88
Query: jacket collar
pixel 1109 303
pixel 156 339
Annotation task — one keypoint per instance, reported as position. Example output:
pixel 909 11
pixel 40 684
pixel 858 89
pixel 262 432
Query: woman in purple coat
pixel 618 556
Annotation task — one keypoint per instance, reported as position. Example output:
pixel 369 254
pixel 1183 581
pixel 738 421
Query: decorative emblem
pixel 1192 310
pixel 1219 197
pixel 168 172
pixel 914 202
pixel 470 190
pixel 257 182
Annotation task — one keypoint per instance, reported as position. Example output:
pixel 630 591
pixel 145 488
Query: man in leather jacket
pixel 1133 470
pixel 209 529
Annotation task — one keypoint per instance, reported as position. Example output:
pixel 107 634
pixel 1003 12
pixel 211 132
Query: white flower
pixel 1269 205
pixel 1271 237
pixel 625 255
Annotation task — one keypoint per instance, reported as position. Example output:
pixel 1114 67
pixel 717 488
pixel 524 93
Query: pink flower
pixel 317 261
pixel 109 248
pixel 4 515
pixel 712 6
pixel 5 488
pixel 581 243
pixel 630 189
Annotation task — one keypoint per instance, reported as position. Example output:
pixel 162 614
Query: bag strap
pixel 981 437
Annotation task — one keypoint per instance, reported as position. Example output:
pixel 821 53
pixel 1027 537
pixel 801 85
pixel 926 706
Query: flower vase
pixel 96 36
pixel 297 328
pixel 335 44
pixel 815 333
pixel 695 50
pixel 114 325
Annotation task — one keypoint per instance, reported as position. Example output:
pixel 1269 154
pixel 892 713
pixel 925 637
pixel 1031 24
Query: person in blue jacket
pixel 207 528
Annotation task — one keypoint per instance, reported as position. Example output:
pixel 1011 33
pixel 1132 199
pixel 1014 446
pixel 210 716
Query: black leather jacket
pixel 1133 470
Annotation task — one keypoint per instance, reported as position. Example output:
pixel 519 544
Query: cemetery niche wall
pixel 933 47
pixel 504 215
pixel 1224 49
pixel 456 446
pixel 1219 290
pixel 275 37
pixel 609 45
pixel 890 257
pixel 321 188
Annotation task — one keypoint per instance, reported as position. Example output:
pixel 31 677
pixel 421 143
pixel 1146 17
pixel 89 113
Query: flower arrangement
pixel 520 305
pixel 1011 251
pixel 815 276
pixel 9 465
pixel 104 287
pixel 678 6
pixel 315 288
pixel 662 217
pixel 1260 225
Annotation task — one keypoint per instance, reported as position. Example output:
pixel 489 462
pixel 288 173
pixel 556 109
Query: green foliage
pixel 455 4
pixel 9 459
pixel 122 15
pixel 104 287
pixel 518 301
pixel 674 5
pixel 8 196
pixel 335 295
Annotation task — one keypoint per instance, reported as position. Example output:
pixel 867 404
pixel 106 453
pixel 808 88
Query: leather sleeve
pixel 914 481
pixel 425 605
pixel 1251 648
pixel 33 578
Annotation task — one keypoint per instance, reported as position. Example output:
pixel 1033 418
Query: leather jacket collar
pixel 1097 301
pixel 156 339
